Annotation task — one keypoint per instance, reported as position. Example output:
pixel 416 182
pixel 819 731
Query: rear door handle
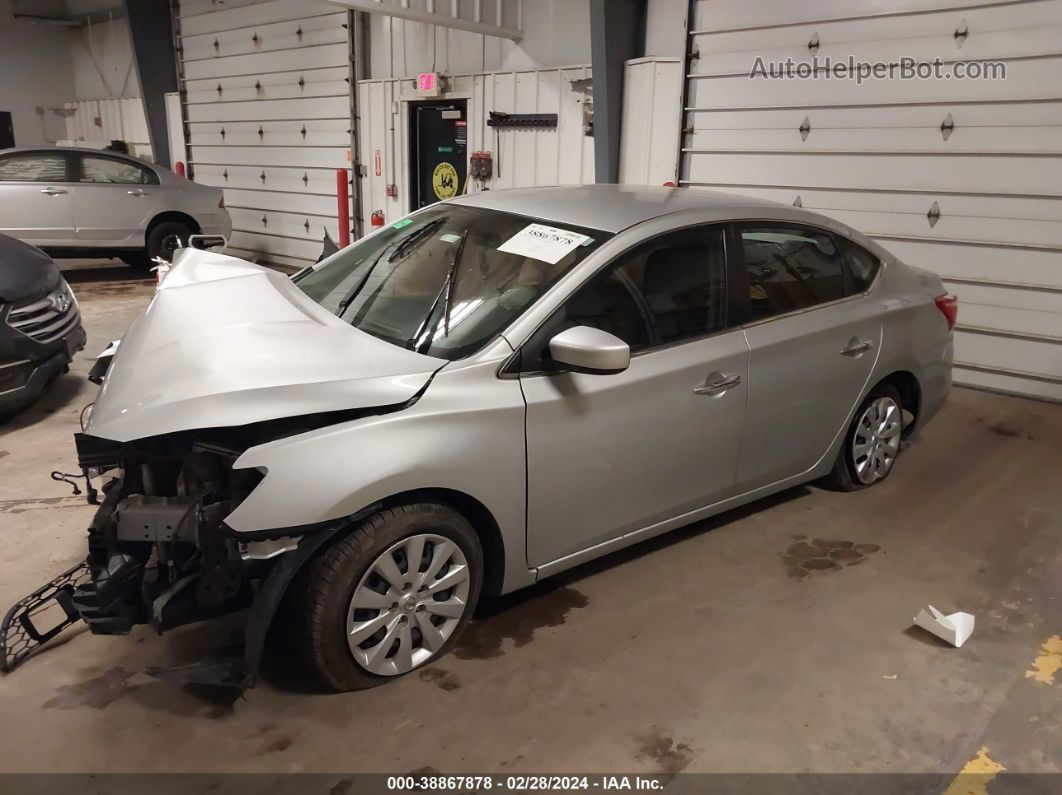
pixel 53 191
pixel 857 347
pixel 136 192
pixel 717 383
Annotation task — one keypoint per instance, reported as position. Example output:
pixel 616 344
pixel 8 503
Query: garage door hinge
pixel 219 89
pixel 805 128
pixel 303 132
pixel 261 132
pixel 255 38
pixel 947 127
pixel 225 174
pixel 797 202
pixel 222 133
pixel 265 221
pixel 217 46
pixel 298 32
pixel 933 215
pixel 961 33
pixel 305 179
pixel 302 82
pixel 262 177
pixel 258 86
pixel 813 45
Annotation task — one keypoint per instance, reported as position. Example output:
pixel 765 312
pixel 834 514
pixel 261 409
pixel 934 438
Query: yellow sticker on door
pixel 444 181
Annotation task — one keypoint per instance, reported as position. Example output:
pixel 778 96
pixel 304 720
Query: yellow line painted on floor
pixel 1045 666
pixel 975 775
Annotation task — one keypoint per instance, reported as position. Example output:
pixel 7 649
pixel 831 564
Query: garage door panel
pixel 1035 79
pixel 1018 320
pixel 278 178
pixel 1009 353
pixel 246 199
pixel 293 156
pixel 1009 17
pixel 1040 139
pixel 279 36
pixel 329 82
pixel 273 222
pixel 983 263
pixel 995 45
pixel 271 109
pixel 243 15
pixel 330 132
pixel 281 61
pixel 964 117
pixel 1024 175
pixel 1021 383
pixel 732 14
pixel 263 246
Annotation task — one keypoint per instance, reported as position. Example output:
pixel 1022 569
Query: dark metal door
pixel 438 151
pixel 7 130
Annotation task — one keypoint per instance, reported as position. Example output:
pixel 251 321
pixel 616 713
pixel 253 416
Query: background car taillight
pixel 221 203
pixel 949 305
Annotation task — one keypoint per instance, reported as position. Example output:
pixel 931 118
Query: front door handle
pixel 53 191
pixel 138 192
pixel 857 347
pixel 717 383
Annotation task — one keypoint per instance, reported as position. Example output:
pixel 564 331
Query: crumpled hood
pixel 227 343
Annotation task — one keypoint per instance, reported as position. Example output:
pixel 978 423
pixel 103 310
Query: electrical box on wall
pixel 481 165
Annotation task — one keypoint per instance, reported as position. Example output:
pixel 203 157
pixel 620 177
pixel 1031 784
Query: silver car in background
pixel 481 395
pixel 78 202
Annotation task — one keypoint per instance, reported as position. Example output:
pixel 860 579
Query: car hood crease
pixel 227 343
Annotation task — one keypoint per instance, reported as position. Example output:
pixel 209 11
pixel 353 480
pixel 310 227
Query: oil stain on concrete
pixel 484 637
pixel 658 747
pixel 444 679
pixel 807 556
pixel 96 693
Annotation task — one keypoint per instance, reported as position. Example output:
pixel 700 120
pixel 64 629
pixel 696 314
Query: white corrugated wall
pixel 962 177
pixel 267 106
pixel 522 157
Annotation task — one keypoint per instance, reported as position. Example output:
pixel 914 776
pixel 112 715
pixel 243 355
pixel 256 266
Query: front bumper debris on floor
pixel 20 637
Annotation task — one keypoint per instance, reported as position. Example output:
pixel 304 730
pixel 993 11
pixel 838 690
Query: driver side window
pixel 670 289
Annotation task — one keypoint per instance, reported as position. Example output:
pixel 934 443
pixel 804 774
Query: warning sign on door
pixel 444 181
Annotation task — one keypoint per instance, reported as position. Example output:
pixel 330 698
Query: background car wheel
pixel 389 597
pixel 165 238
pixel 871 444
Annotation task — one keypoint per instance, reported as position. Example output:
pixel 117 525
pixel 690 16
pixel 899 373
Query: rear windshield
pixel 447 280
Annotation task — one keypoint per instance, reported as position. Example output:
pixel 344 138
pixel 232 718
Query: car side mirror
pixel 589 350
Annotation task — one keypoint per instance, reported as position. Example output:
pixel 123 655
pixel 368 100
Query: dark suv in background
pixel 40 325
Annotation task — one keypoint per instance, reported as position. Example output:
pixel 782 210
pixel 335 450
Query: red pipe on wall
pixel 343 202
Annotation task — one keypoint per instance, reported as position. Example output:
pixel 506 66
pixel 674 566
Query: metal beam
pixel 151 29
pixel 617 34
pixel 430 18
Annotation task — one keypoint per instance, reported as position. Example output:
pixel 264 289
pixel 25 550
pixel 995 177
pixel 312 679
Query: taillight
pixel 949 305
pixel 221 203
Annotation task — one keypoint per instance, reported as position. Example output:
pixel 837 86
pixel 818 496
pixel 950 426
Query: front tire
pixel 872 443
pixel 165 238
pixel 388 598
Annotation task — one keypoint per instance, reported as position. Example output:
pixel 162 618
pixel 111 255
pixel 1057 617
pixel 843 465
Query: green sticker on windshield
pixel 404 222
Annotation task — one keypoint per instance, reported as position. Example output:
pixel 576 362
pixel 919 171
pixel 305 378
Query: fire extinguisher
pixel 377 218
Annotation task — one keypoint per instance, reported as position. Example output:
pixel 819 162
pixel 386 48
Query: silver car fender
pixel 465 434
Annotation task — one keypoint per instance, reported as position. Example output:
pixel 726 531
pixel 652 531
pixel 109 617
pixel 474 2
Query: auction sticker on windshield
pixel 546 243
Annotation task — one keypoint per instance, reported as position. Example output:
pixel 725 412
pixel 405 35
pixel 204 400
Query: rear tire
pixel 871 444
pixel 165 238
pixel 340 595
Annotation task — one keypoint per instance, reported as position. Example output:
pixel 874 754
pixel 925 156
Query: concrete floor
pixel 712 649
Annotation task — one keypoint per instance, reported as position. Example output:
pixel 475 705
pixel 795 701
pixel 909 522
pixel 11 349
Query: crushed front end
pixel 159 552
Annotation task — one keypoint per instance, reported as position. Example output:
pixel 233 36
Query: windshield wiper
pixel 445 295
pixel 403 245
pixel 411 240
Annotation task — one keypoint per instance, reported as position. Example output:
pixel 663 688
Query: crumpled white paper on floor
pixel 954 628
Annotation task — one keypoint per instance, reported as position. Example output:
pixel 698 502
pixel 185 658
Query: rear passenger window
pixel 790 268
pixel 668 290
pixel 860 263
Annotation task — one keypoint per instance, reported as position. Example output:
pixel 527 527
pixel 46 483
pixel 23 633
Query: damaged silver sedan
pixel 481 395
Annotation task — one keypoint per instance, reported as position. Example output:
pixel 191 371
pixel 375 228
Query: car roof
pixel 613 208
pixel 81 150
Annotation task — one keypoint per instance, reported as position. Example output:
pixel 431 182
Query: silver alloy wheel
pixel 877 440
pixel 408 604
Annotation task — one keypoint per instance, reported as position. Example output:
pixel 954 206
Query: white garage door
pixel 963 177
pixel 267 103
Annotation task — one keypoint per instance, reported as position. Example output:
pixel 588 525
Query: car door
pixel 611 454
pixel 113 200
pixel 35 194
pixel 813 341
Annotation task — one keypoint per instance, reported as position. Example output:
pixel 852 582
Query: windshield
pixel 446 281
